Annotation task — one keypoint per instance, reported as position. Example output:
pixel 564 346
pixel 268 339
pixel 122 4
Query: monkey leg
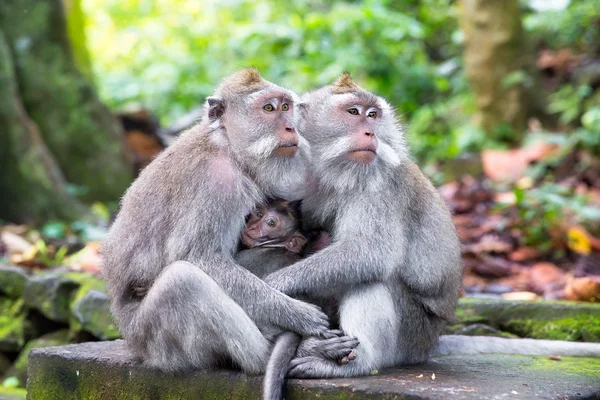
pixel 368 313
pixel 187 321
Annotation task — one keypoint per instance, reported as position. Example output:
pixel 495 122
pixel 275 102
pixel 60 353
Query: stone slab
pixel 106 371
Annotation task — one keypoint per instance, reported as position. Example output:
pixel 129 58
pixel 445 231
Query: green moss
pixel 57 338
pixel 569 366
pixel 13 325
pixel 12 393
pixel 540 320
pixel 582 328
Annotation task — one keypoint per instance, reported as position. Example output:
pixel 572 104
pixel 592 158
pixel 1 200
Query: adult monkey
pixel 395 256
pixel 180 299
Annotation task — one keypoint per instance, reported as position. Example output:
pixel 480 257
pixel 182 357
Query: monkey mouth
pixel 287 149
pixel 363 155
pixel 370 149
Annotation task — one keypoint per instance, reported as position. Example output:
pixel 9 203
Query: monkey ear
pixel 216 108
pixel 296 243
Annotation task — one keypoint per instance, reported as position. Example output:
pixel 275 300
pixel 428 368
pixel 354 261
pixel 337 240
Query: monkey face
pixel 270 223
pixel 352 134
pixel 254 119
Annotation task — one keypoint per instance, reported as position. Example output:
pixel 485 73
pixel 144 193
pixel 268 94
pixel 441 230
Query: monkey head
pixel 276 224
pixel 256 119
pixel 353 134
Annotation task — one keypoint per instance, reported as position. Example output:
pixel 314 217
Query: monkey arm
pixel 340 265
pixel 264 304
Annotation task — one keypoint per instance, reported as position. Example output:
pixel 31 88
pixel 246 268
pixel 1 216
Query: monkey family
pixel 184 295
pixel 392 266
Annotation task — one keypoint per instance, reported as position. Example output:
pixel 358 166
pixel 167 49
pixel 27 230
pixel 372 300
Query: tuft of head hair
pixel 246 80
pixel 344 84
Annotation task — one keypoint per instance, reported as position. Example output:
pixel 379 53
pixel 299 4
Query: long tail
pixel 458 344
pixel 277 367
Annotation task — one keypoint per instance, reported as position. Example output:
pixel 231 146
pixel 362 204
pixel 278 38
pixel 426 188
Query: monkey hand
pixel 340 349
pixel 306 320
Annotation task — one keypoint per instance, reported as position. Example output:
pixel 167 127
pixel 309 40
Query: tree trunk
pixel 31 184
pixel 78 129
pixel 496 64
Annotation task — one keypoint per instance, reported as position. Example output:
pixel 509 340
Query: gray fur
pixel 178 227
pixel 395 256
pixel 459 344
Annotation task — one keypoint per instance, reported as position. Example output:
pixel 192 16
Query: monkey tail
pixel 277 367
pixel 458 344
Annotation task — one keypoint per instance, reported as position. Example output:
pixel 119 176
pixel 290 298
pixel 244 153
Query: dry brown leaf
pixel 510 165
pixel 583 289
pixel 543 275
pixel 524 254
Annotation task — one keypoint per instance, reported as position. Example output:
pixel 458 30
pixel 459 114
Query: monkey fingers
pixel 308 367
pixel 331 333
pixel 338 349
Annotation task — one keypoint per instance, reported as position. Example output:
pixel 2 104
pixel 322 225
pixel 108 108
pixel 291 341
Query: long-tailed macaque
pixel 178 228
pixel 395 259
pixel 273 239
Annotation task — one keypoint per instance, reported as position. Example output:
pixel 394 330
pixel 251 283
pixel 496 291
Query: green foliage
pixel 578 26
pixel 542 210
pixel 168 55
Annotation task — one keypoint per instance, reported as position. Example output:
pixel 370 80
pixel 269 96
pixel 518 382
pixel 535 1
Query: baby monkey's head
pixel 276 224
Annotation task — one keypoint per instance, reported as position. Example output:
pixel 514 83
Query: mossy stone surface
pixel 559 320
pixel 50 293
pixel 57 338
pixel 92 314
pixel 107 371
pixel 12 280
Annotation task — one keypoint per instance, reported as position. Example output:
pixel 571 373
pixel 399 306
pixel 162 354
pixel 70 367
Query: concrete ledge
pixel 106 371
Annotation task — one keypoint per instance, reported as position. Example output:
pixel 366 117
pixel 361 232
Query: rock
pixel 12 280
pixel 57 338
pixel 107 371
pixel 91 313
pixel 14 327
pixel 50 293
pixel 482 330
pixel 561 320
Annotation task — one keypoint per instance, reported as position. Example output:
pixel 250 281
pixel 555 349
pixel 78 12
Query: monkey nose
pixel 367 133
pixel 289 129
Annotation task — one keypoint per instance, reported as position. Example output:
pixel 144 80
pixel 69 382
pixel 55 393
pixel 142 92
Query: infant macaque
pixel 273 238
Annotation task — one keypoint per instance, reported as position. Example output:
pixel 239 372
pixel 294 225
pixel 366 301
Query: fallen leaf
pixel 510 165
pixel 583 289
pixel 543 274
pixel 524 254
pixel 555 357
pixel 14 243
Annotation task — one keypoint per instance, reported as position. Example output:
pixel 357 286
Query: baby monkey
pixel 273 239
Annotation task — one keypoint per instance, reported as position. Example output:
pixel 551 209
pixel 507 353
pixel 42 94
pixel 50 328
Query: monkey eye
pixel 285 107
pixel 353 110
pixel 271 223
pixel 372 114
pixel 268 107
pixel 259 214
